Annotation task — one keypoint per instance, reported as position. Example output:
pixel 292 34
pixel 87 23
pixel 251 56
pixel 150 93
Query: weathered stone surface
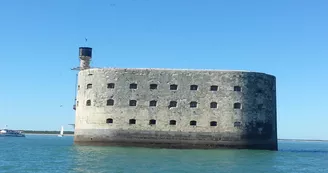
pixel 257 115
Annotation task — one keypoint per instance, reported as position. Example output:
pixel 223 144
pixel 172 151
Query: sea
pixel 51 154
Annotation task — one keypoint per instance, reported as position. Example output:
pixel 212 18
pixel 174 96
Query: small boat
pixel 5 132
pixel 61 134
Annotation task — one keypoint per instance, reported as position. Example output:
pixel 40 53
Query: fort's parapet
pixel 176 108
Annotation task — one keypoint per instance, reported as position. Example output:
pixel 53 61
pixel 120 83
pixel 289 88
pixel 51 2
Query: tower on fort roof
pixel 85 55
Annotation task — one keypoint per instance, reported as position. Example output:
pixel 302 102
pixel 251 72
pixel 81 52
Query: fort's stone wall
pixel 252 124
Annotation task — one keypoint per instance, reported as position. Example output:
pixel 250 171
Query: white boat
pixel 61 134
pixel 5 132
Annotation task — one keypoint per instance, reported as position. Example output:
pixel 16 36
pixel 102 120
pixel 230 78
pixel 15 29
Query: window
pixel 153 86
pixel 213 123
pixel 214 105
pixel 90 74
pixel 173 87
pixel 173 122
pixel 260 106
pixel 193 123
pixel 237 106
pixel 259 91
pixel 152 122
pixel 109 121
pixel 133 103
pixel 78 87
pixel 88 103
pixel 193 87
pixel 193 104
pixel 237 124
pixel 133 86
pixel 132 121
pixel 77 103
pixel 214 88
pixel 173 104
pixel 110 85
pixel 152 103
pixel 110 102
pixel 237 88
pixel 89 86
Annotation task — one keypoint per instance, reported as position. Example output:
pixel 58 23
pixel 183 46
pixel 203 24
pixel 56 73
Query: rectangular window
pixel 193 104
pixel 153 86
pixel 173 87
pixel 237 124
pixel 237 88
pixel 237 105
pixel 133 103
pixel 133 86
pixel 193 87
pixel 173 104
pixel 152 103
pixel 214 88
pixel 111 85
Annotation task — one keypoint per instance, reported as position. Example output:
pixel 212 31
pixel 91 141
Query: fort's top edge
pixel 175 69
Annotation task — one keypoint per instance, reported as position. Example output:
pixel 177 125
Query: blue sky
pixel 40 40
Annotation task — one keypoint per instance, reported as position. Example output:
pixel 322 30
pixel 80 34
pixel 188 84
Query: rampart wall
pixel 176 108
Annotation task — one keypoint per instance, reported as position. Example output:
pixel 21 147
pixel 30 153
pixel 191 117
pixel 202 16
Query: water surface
pixel 49 153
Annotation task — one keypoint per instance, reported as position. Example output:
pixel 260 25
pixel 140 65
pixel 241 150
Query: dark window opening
pixel 89 86
pixel 133 103
pixel 110 102
pixel 237 106
pixel 214 105
pixel 237 124
pixel 133 86
pixel 213 123
pixel 237 88
pixel 90 74
pixel 152 122
pixel 173 122
pixel 109 121
pixel 173 104
pixel 260 106
pixel 78 87
pixel 193 87
pixel 132 121
pixel 77 103
pixel 193 104
pixel 173 87
pixel 153 103
pixel 111 85
pixel 193 123
pixel 153 86
pixel 88 103
pixel 214 88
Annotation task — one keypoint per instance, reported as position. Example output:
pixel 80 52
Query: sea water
pixel 49 153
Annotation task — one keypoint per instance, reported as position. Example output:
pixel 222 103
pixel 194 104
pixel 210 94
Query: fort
pixel 174 108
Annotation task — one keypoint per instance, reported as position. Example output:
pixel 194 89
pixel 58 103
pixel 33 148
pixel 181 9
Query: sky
pixel 40 39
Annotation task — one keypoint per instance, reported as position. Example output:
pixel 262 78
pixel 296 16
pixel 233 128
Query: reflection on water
pixel 53 154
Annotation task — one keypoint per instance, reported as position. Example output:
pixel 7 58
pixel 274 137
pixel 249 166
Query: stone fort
pixel 174 108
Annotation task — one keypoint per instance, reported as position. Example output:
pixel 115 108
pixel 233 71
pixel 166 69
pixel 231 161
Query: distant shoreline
pixel 40 132
pixel 304 140
pixel 47 134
